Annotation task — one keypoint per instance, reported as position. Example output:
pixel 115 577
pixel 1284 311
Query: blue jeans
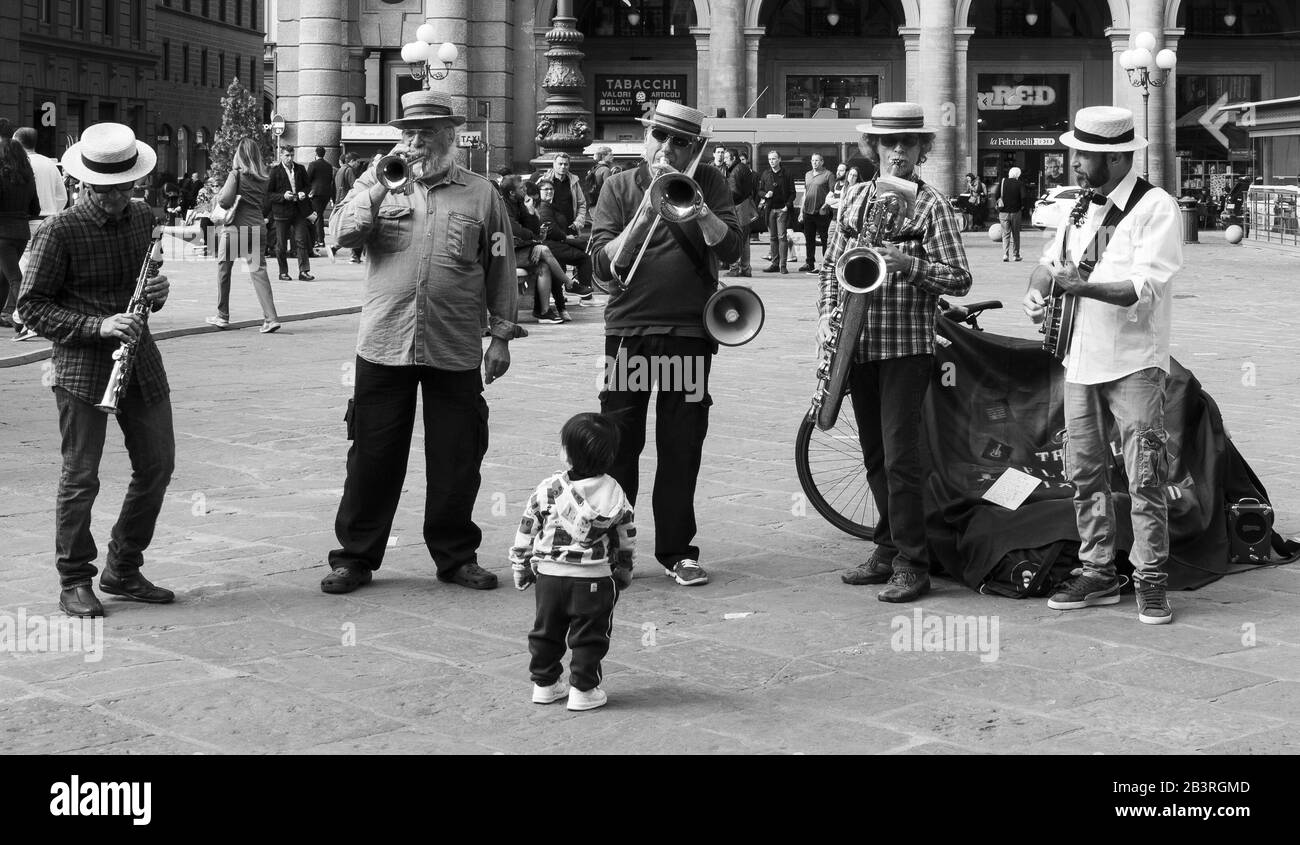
pixel 1136 405
pixel 151 446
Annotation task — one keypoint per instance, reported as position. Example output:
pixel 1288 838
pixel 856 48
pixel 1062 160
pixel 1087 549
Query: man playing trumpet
pixel 894 353
pixel 656 314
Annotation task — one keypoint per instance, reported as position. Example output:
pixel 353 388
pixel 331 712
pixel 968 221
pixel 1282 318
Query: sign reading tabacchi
pixel 632 94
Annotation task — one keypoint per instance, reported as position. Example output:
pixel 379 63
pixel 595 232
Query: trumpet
pixel 393 171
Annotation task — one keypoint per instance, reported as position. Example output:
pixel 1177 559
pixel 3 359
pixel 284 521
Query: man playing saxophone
pixel 894 352
pixel 84 264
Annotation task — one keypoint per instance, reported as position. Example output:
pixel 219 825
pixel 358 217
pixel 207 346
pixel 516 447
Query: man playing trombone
pixel 894 353
pixel 662 271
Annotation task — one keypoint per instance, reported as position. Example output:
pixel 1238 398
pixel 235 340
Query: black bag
pixel 1032 573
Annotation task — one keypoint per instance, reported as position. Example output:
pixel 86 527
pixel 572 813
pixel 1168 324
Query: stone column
pixel 937 90
pixel 321 81
pixel 564 124
pixel 753 85
pixel 703 91
pixel 967 129
pixel 727 57
pixel 1149 16
pixel 912 66
pixel 450 21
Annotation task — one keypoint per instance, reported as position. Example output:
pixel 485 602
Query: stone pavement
pixel 774 655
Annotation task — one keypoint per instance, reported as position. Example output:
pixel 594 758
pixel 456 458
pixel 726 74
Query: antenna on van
pixel 755 103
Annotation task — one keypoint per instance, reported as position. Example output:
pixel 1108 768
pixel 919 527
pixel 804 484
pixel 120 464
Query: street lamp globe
pixel 1145 41
pixel 1166 59
pixel 1142 58
pixel 1126 60
pixel 447 53
pixel 426 33
pixel 415 52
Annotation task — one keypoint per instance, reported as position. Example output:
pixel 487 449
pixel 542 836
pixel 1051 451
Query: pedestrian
pixel 421 332
pixel 531 252
pixel 576 542
pixel 600 171
pixel 720 158
pixel 84 265
pixel 657 315
pixel 776 199
pixel 1119 263
pixel 813 215
pixel 353 166
pixel 19 203
pixel 563 240
pixel 978 200
pixel 53 196
pixel 1009 194
pixel 893 355
pixel 320 176
pixel 292 213
pixel 740 179
pixel 570 199
pixel 244 193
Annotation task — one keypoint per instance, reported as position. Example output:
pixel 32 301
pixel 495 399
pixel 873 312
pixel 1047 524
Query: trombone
pixel 675 195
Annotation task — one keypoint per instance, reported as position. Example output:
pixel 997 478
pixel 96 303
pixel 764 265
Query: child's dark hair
pixel 591 442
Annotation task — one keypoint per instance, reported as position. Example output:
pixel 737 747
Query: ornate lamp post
pixel 1146 71
pixel 421 53
pixel 564 124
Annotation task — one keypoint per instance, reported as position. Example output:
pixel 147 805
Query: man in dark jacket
pixel 290 210
pixel 741 181
pixel 655 320
pixel 775 199
pixel 320 174
pixel 1009 194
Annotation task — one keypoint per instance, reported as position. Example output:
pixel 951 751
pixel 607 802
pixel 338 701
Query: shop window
pixel 828 18
pixel 1039 19
pixel 636 18
pixel 1208 18
pixel 849 96
pixel 1207 168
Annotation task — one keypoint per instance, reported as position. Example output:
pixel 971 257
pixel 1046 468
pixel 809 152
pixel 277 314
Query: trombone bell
pixel 676 197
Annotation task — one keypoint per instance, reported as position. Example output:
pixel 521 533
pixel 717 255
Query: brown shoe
pixel 134 586
pixel 470 575
pixel 875 570
pixel 905 585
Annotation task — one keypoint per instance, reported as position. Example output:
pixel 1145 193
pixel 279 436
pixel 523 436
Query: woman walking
pixel 18 204
pixel 240 237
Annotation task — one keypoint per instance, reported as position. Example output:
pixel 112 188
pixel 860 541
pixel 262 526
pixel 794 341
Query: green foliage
pixel 241 117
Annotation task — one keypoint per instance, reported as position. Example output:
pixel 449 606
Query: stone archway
pixel 754 12
pixel 1118 12
pixel 545 10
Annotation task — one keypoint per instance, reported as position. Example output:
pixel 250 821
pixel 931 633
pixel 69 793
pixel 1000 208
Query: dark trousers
pixel 681 422
pixel 887 397
pixel 301 232
pixel 567 253
pixel 318 205
pixel 382 416
pixel 581 611
pixel 10 276
pixel 151 446
pixel 815 226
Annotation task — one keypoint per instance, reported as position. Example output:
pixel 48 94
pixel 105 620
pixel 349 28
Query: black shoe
pixel 345 579
pixel 905 585
pixel 747 273
pixel 306 277
pixel 805 268
pixel 80 600
pixel 470 575
pixel 877 569
pixel 356 259
pixel 784 270
pixel 285 277
pixel 134 586
pixel 773 268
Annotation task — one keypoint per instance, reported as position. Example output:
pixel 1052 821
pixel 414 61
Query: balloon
pixel 1233 234
pixel 995 233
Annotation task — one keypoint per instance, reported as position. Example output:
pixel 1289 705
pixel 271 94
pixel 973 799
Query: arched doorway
pixel 829 58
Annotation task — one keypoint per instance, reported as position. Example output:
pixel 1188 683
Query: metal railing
pixel 1271 215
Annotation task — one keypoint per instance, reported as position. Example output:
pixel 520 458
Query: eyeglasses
pixel 678 141
pixel 905 140
pixel 123 188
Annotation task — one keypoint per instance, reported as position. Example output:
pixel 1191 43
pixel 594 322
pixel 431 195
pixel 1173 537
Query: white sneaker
pixel 551 694
pixel 269 326
pixel 688 573
pixel 218 321
pixel 589 700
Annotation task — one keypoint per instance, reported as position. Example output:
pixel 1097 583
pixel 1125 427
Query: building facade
pixel 159 66
pixel 1002 77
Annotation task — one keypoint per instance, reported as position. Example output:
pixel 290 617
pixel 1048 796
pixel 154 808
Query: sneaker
pixel 565 318
pixel 551 694
pixel 578 289
pixel 1086 590
pixel 688 573
pixel 733 273
pixel 550 317
pixel 877 569
pixel 218 321
pixel 269 326
pixel 747 273
pixel 26 334
pixel 905 585
pixel 589 700
pixel 592 302
pixel 805 268
pixel 1153 604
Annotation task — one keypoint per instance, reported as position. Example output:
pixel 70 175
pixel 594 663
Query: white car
pixel 1054 204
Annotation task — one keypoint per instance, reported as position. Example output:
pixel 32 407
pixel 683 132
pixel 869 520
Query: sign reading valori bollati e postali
pixel 631 94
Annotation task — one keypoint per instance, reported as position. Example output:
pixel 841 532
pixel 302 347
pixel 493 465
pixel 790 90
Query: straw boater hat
pixel 677 119
pixel 108 154
pixel 896 119
pixel 423 109
pixel 1103 129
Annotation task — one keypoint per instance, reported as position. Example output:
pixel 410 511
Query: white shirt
pixel 1146 250
pixel 50 189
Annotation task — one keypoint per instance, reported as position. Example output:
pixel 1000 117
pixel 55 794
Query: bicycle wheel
pixel 832 474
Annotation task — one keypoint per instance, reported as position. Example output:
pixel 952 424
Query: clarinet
pixel 124 355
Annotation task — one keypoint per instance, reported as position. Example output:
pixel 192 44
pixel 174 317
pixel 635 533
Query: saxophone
pixel 124 355
pixel 860 271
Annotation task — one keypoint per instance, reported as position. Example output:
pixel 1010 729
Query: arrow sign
pixel 1213 118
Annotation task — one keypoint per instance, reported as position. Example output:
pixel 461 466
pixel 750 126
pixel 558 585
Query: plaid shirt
pixel 83 269
pixel 900 315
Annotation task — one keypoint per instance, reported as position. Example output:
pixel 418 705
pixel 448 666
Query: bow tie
pixel 1098 199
